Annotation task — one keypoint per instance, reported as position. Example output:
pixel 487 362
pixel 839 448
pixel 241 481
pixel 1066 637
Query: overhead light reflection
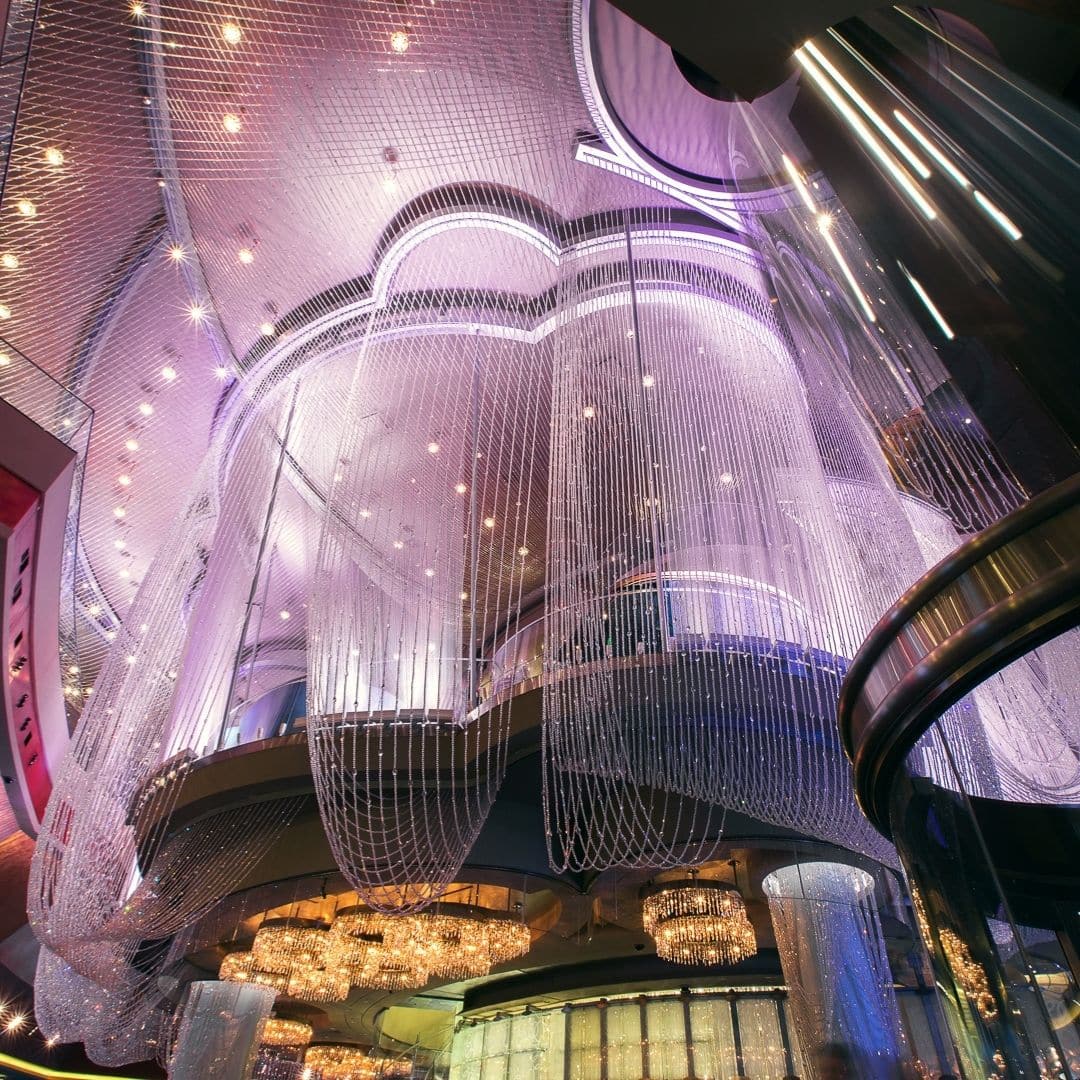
pixel 1000 218
pixel 929 304
pixel 931 149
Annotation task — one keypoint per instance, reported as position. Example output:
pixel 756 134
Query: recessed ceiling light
pixel 54 156
pixel 168 373
pixel 246 256
pixel 231 33
pixel 399 41
pixel 231 123
pixel 26 208
pixel 9 261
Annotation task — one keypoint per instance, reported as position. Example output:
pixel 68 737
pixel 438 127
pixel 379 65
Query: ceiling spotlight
pixel 15 1023
pixel 26 208
pixel 177 253
pixel 267 329
pixel 125 574
pixel 429 572
pixel 399 41
pixel 231 33
pixel 648 381
pixel 5 359
pixel 589 412
pixel 5 311
pixel 246 256
pixel 221 372
pixel 131 445
pixel 284 615
pixel 727 479
pixel 119 543
pixel 119 512
pixel 124 480
pixel 433 448
pixel 461 488
pixel 54 156
pixel 146 408
pixel 137 9
pixel 523 551
pixel 398 545
pixel 9 261
pixel 196 312
pixel 168 373
pixel 489 523
pixel 94 610
pixel 231 123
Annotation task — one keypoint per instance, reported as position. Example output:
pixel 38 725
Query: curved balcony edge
pixel 1006 591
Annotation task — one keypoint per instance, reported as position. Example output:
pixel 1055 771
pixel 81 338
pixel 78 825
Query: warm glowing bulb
pixel 363 513
pixel 221 372
pixel 523 551
pixel 52 1040
pixel 131 445
pixel 5 311
pixel 177 253
pixel 9 261
pixel 648 381
pixel 26 208
pixel 130 658
pixel 15 1023
pixel 464 596
pixel 433 448
pixel 119 512
pixel 137 9
pixel 119 543
pixel 284 615
pixel 824 222
pixel 123 480
pixel 398 544
pixel 168 373
pixel 461 488
pixel 489 523
pixel 146 408
pixel 267 329
pixel 590 412
pixel 246 256
pixel 196 312
pixel 73 669
pixel 5 359
pixel 399 41
pixel 231 123
pixel 94 610
pixel 54 156
pixel 429 572
pixel 727 479
pixel 231 33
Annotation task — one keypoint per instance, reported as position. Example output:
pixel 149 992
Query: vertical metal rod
pixel 650 446
pixel 259 558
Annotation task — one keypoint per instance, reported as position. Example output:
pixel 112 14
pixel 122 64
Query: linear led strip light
pixel 929 304
pixel 865 135
pixel 995 213
pixel 869 112
pixel 824 223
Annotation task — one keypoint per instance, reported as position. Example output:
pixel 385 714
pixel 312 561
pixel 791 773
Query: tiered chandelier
pixel 277 1031
pixel 699 922
pixel 308 961
pixel 333 1061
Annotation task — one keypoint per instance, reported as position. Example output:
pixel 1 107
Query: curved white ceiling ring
pixel 626 155
pixel 280 356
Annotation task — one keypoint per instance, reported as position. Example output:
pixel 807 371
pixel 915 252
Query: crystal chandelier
pixel 281 1032
pixel 332 1061
pixel 240 967
pixel 698 922
pixel 287 946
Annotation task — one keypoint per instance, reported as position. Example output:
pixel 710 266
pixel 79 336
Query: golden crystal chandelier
pixel 277 1031
pixel 698 922
pixel 331 1061
pixel 303 959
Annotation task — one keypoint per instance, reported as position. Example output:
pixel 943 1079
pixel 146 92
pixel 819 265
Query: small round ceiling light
pixel 231 33
pixel 54 156
pixel 400 41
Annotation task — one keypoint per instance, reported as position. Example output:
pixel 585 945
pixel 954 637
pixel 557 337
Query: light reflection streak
pixel 868 110
pixel 866 136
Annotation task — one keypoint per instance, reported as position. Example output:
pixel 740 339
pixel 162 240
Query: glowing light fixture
pixel 866 136
pixel 146 408
pixel 267 329
pixel 246 256
pixel 5 359
pixel 589 412
pixel 26 208
pixel 278 1031
pixel 871 114
pixel 168 373
pixel 131 445
pixel 5 311
pixel 400 41
pixel 927 303
pixel 947 166
pixel 53 156
pixel 137 9
pixel 998 216
pixel 699 922
pixel 231 123
pixel 9 261
pixel 231 33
